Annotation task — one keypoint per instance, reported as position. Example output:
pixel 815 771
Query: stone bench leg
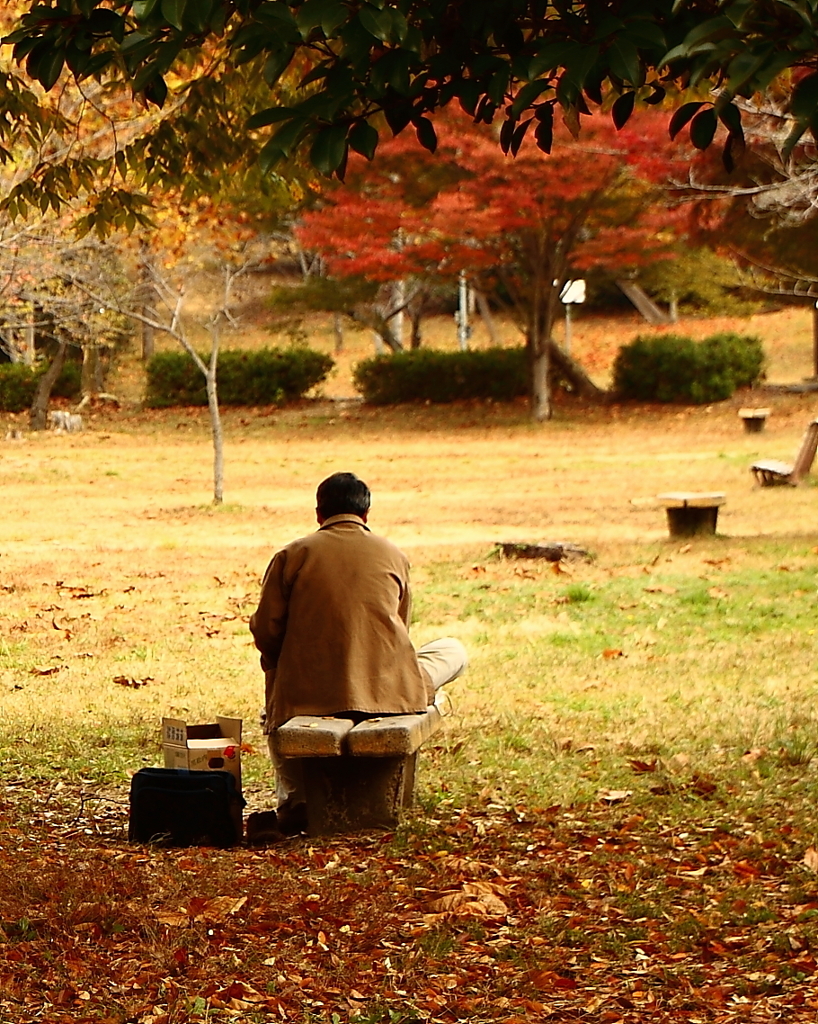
pixel 345 794
pixel 692 521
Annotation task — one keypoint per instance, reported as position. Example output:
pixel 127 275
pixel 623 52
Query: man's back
pixel 332 626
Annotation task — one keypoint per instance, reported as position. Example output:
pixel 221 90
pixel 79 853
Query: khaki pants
pixel 443 660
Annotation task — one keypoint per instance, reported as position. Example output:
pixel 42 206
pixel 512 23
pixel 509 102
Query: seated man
pixel 332 628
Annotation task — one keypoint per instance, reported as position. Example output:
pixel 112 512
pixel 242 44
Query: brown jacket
pixel 332 626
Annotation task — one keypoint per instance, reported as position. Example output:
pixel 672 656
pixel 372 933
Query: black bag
pixel 177 807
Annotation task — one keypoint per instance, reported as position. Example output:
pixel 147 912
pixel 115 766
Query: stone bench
pixel 754 420
pixel 690 514
pixel 356 776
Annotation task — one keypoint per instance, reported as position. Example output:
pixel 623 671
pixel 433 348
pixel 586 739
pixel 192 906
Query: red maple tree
pixel 519 226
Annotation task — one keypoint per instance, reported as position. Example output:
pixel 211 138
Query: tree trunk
pixel 539 355
pixel 147 309
pixel 215 418
pixel 38 414
pixel 91 371
pixel 29 344
pixel 396 320
pixel 338 328
pixel 485 314
pixel 415 318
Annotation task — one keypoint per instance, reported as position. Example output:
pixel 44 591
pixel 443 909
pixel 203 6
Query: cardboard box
pixel 215 746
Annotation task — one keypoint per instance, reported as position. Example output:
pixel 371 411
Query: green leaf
pixel 708 31
pixel 282 143
pixel 174 12
pixel 427 136
pixel 143 9
pixel 363 138
pixel 625 62
pixel 46 66
pixel 581 64
pixel 103 21
pixel 328 151
pixel 742 70
pixel 272 115
pixel 468 92
pixel 377 23
pixel 682 116
pixel 733 151
pixel 622 109
pixel 805 98
pixel 703 128
pixel 276 64
pixel 400 26
pixel 507 134
pixel 334 17
pixel 552 56
pixel 730 117
pixel 314 13
pixel 544 132
pixel 143 76
pixel 519 134
pixel 392 69
pixel 156 91
pixel 133 41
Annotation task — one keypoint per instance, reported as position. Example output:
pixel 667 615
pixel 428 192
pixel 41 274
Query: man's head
pixel 342 494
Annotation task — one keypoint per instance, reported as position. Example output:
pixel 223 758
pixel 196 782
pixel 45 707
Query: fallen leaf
pixel 613 652
pixel 751 756
pixel 216 909
pixel 661 588
pixel 702 786
pixel 614 796
pixel 134 684
pixel 550 979
pixel 50 671
pixel 173 918
pixel 643 766
pixel 811 859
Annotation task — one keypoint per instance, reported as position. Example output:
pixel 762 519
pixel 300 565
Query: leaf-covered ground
pixel 485 915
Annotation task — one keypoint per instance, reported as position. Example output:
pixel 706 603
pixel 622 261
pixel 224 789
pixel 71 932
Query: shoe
pixel 262 829
pixel 292 818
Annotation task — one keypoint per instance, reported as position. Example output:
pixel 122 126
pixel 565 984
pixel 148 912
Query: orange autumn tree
pixel 520 227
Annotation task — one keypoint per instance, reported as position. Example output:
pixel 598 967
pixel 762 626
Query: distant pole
pixel 568 322
pixel 572 292
pixel 463 330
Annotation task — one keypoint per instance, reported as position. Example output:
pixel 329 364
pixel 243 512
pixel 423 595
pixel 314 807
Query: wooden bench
pixel 754 420
pixel 356 776
pixel 771 472
pixel 691 515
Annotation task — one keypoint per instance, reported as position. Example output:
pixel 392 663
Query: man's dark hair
pixel 342 493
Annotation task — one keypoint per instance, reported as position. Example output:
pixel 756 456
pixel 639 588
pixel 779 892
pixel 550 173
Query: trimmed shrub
pixel 18 383
pixel 266 377
pixel 675 368
pixel 427 375
pixel 742 354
